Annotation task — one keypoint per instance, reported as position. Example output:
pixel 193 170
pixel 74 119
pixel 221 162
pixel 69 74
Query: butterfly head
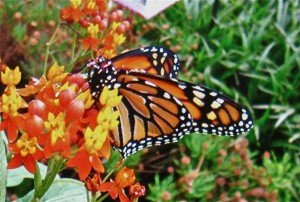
pixel 101 73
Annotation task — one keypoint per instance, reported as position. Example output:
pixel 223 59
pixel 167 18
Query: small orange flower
pixel 111 40
pixel 88 155
pixel 73 12
pixel 102 5
pixel 124 178
pixel 84 162
pixel 56 139
pixel 11 127
pixel 26 151
pixel 89 43
pixel 35 85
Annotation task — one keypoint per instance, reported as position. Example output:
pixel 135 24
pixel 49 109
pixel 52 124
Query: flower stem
pixel 74 45
pixel 55 166
pixel 102 197
pixel 48 44
pixel 37 178
pixel 112 171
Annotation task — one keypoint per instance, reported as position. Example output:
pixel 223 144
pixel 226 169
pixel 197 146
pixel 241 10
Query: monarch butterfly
pixel 158 109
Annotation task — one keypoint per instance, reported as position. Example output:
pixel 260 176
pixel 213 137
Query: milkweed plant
pixel 53 119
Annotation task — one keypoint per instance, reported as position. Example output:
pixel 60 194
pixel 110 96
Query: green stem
pixel 87 196
pixel 48 44
pixel 107 176
pixel 74 46
pixel 102 197
pixel 111 172
pixel 37 178
pixel 46 58
pixel 50 176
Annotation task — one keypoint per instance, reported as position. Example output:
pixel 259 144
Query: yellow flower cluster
pixel 27 145
pixel 56 73
pixel 11 77
pixel 107 120
pixel 87 98
pixel 75 3
pixel 93 30
pixel 118 38
pixel 11 101
pixel 56 125
pixel 112 40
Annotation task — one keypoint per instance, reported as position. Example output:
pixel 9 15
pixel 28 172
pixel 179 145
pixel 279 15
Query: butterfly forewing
pixel 150 116
pixel 152 60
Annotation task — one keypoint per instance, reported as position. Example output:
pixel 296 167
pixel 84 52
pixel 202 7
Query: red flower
pixel 93 183
pixel 84 162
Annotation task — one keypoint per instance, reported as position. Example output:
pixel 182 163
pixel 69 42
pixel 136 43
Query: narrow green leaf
pixel 3 169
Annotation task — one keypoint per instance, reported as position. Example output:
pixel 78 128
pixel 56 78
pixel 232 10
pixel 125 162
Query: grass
pixel 247 50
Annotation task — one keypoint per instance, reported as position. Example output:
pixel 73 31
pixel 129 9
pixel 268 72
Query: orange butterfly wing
pixel 211 111
pixel 147 118
pixel 152 59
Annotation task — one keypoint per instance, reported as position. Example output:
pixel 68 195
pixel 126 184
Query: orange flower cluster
pixel 104 29
pixel 61 118
pixel 125 178
pixel 55 116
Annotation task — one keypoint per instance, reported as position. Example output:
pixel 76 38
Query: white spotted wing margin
pixel 149 116
pixel 220 115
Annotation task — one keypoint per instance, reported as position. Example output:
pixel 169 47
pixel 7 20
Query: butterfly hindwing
pixel 151 59
pixel 211 111
pixel 150 116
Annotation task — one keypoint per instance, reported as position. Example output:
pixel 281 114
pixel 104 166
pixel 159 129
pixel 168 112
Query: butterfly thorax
pixel 101 73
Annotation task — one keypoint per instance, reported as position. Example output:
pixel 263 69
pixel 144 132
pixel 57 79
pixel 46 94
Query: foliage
pixel 54 119
pixel 250 51
pixel 226 171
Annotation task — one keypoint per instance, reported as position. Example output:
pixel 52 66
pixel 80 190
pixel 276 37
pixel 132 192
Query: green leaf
pixel 19 32
pixel 202 186
pixel 16 176
pixel 62 190
pixel 3 169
